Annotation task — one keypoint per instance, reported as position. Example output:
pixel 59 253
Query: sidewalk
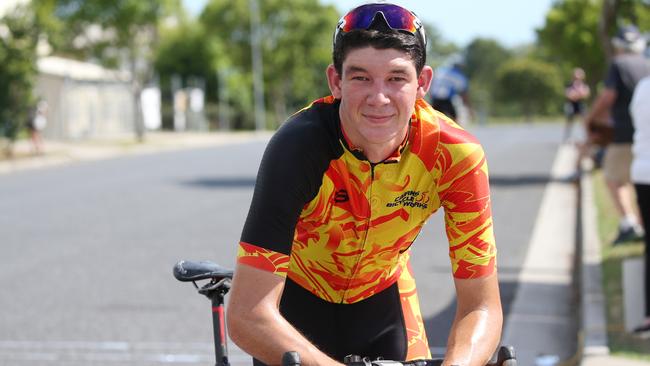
pixel 64 152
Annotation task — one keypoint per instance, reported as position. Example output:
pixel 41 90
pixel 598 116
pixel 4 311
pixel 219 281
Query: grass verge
pixel 620 342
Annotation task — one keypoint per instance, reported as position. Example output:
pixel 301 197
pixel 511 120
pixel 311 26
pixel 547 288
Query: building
pixel 84 100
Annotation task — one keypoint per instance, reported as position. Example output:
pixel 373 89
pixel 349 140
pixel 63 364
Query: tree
pixel 532 85
pixel 296 48
pixel 615 13
pixel 482 58
pixel 114 33
pixel 438 48
pixel 569 37
pixel 18 40
pixel 577 33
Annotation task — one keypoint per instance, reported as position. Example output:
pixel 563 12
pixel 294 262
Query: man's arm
pixel 476 330
pixel 256 325
pixel 601 106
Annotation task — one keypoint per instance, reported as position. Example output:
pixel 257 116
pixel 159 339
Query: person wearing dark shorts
pixel 624 72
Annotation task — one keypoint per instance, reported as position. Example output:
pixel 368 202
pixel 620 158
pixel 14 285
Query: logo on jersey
pixel 411 199
pixel 341 196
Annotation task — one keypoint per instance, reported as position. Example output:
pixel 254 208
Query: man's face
pixel 377 90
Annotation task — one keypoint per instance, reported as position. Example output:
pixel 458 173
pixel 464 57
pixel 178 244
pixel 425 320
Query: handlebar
pixel 505 356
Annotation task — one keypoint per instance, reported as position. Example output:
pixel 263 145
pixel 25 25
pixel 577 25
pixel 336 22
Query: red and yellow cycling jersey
pixel 341 227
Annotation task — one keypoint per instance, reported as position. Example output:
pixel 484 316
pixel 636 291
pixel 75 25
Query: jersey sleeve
pixel 465 195
pixel 613 77
pixel 287 179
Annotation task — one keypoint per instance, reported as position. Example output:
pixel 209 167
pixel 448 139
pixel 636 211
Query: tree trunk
pixel 607 22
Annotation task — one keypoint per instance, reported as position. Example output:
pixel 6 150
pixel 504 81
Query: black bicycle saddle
pixel 186 271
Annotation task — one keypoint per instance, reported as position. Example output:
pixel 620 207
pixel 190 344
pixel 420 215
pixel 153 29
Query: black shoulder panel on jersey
pixel 290 175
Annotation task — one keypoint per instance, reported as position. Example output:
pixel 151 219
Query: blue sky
pixel 511 22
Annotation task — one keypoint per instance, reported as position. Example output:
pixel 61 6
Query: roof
pixel 79 70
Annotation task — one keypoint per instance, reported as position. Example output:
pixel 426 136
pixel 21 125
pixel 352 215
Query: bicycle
pixel 218 285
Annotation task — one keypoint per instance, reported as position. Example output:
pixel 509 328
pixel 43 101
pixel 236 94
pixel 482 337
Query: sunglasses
pixel 395 16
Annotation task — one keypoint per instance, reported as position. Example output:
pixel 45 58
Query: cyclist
pixel 344 187
pixel 448 83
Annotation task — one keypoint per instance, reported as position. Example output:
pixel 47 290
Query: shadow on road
pixel 216 182
pixel 522 180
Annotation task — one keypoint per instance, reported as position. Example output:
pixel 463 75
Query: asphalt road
pixel 87 249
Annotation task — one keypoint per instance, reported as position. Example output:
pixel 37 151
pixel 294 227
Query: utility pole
pixel 258 72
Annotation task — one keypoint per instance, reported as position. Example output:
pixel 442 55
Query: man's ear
pixel 334 81
pixel 424 81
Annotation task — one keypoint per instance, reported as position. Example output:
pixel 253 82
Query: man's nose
pixel 378 94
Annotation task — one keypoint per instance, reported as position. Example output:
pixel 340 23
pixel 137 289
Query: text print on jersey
pixel 411 199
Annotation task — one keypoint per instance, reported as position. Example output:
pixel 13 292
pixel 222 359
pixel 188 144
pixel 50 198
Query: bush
pixel 533 86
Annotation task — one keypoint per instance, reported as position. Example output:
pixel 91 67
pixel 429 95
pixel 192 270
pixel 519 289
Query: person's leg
pixel 568 126
pixel 616 169
pixel 622 197
pixel 643 199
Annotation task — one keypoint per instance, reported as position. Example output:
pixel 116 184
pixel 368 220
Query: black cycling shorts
pixel 373 327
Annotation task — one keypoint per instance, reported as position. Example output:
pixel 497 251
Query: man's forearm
pixel 473 338
pixel 601 106
pixel 268 339
pixel 256 325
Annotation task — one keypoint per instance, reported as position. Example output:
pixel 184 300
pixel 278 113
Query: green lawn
pixel 620 342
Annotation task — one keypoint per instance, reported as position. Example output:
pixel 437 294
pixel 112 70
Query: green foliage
pixel 569 37
pixel 482 58
pixel 117 34
pixel 296 41
pixel 18 40
pixel 534 86
pixel 438 49
pixel 183 51
pixel 635 12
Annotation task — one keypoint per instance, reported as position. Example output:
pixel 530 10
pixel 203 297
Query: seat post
pixel 219 328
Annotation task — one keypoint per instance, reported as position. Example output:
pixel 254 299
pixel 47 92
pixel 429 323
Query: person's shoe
pixel 626 235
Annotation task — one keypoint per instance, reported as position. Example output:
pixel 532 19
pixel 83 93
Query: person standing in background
pixel 624 72
pixel 36 125
pixel 576 94
pixel 640 171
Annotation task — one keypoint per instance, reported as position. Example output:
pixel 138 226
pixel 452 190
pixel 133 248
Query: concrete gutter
pixel 592 300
